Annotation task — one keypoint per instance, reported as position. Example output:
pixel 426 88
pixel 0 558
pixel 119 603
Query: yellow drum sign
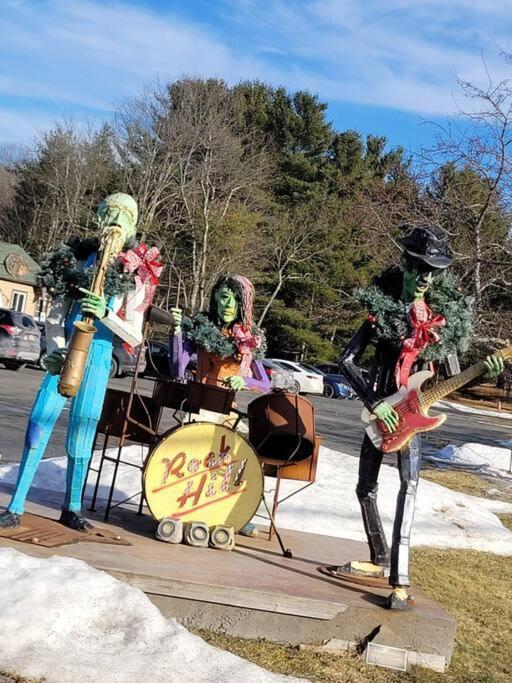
pixel 203 472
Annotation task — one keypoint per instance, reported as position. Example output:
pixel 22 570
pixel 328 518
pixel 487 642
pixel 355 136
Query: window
pixel 28 322
pixel 18 301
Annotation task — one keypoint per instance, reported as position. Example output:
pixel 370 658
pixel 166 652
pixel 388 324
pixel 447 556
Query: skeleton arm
pixel 348 361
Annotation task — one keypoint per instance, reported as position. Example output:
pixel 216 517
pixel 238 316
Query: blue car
pixel 335 384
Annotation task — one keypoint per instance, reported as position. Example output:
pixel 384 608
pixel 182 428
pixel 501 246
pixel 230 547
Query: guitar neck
pixel 444 388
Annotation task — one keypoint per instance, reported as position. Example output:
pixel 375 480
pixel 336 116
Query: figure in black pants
pixel 406 317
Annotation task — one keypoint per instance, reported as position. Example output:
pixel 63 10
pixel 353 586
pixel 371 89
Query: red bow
pixel 423 322
pixel 145 263
pixel 245 342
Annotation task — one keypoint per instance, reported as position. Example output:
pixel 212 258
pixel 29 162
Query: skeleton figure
pixel 230 312
pixel 117 209
pixel 426 254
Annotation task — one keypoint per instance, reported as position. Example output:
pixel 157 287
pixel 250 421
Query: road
pixel 337 421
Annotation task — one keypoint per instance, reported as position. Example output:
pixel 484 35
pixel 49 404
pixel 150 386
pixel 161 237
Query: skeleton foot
pixel 364 568
pixel 399 599
pixel 9 520
pixel 75 521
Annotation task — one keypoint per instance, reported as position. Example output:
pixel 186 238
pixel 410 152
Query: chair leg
pixel 285 551
pixel 275 502
pixel 100 468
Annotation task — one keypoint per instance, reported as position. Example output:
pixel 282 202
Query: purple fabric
pixel 182 350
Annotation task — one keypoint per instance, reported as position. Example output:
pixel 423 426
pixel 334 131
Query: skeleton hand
pixel 494 366
pixel 92 304
pixel 235 382
pixel 55 360
pixel 388 415
pixel 177 316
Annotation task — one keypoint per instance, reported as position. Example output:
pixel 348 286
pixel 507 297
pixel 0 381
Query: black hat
pixel 430 245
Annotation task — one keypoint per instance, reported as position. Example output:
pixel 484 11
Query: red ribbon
pixel 145 263
pixel 245 342
pixel 423 322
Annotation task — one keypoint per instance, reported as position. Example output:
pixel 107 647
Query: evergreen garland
pixel 444 298
pixel 208 336
pixel 62 275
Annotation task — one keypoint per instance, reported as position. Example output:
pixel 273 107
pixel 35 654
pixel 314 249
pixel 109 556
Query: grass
pixel 472 484
pixel 474 587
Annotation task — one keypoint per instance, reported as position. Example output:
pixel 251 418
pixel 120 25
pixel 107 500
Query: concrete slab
pixel 254 592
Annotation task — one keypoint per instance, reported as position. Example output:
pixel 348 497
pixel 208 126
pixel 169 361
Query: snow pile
pixel 67 622
pixel 491 460
pixel 463 408
pixel 444 518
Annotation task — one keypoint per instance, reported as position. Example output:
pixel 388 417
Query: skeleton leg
pixel 409 461
pixel 45 412
pixel 84 416
pixel 366 490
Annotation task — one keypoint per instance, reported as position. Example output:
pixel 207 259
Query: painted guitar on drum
pixel 412 406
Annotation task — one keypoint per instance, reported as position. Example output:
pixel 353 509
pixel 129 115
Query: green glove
pixel 388 415
pixel 177 316
pixel 92 305
pixel 55 360
pixel 235 382
pixel 494 366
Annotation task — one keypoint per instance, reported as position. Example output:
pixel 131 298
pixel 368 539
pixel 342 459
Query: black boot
pixel 74 521
pixel 9 520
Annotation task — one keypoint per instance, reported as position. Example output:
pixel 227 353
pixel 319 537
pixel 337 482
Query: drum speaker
pixel 170 530
pixel 222 537
pixel 196 534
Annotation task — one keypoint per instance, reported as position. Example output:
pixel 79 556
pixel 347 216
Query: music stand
pixel 127 419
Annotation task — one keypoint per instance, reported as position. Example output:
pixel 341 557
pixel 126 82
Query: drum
pixel 203 472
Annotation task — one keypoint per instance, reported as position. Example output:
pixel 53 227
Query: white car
pixel 305 381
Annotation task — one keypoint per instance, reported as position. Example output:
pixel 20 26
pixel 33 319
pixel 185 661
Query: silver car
pixel 19 339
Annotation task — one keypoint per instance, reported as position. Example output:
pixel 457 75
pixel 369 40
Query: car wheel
pixel 12 365
pixel 41 363
pixel 328 391
pixel 188 375
pixel 295 388
pixel 114 367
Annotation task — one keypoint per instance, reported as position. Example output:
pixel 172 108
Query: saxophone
pixel 73 367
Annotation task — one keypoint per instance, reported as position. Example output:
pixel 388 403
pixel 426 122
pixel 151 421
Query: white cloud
pixel 60 56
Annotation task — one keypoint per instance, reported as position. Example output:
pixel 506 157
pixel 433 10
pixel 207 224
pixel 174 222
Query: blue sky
pixel 383 66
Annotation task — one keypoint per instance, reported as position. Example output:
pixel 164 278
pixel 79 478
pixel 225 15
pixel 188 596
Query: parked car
pixel 305 381
pixel 157 361
pixel 335 384
pixel 124 356
pixel 19 339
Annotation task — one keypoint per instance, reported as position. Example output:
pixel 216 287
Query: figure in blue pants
pixel 117 209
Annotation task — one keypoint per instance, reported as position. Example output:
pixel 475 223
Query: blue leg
pixel 45 411
pixel 85 412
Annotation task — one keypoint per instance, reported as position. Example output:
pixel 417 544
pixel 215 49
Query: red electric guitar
pixel 412 406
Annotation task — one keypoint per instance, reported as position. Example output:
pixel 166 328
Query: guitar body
pixel 414 418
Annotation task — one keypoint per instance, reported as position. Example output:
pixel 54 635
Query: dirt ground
pixel 483 396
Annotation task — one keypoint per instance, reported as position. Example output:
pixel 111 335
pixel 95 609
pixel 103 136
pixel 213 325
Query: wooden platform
pixel 254 592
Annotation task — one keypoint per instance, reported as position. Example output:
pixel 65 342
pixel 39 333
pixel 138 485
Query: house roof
pixel 16 265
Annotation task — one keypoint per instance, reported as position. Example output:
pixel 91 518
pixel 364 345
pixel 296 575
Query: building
pixel 18 287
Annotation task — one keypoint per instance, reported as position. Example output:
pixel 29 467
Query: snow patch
pixel 69 623
pixel 491 460
pixel 444 518
pixel 462 408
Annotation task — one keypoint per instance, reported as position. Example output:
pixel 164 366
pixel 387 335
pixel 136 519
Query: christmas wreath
pixel 62 274
pixel 223 342
pixel 444 297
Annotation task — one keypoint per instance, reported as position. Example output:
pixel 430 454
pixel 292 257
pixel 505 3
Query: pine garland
pixel 444 298
pixel 62 275
pixel 208 336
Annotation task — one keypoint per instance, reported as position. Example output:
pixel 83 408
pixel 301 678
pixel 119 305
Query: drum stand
pixel 126 419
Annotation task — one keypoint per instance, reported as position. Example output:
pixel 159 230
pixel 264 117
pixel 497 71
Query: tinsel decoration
pixel 444 297
pixel 62 275
pixel 208 336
